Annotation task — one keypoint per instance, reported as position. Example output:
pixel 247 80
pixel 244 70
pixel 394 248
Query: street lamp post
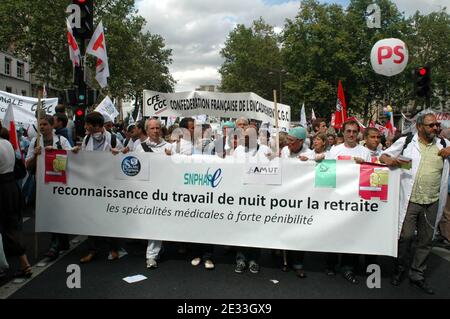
pixel 280 75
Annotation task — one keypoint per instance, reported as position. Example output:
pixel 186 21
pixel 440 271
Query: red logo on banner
pixel 55 166
pixel 373 182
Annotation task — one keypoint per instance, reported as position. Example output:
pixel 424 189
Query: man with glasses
pixel 349 150
pixel 422 197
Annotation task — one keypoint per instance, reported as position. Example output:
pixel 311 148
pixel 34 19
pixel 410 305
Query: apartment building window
pixel 24 93
pixel 20 69
pixel 9 89
pixel 8 63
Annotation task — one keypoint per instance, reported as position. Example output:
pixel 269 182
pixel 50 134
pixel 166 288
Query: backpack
pixel 409 138
pixel 146 147
pixel 113 140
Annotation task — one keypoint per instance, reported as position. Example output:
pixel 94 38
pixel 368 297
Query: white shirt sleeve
pixel 395 149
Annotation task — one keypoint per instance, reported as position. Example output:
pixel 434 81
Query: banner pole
pixel 277 141
pixel 38 141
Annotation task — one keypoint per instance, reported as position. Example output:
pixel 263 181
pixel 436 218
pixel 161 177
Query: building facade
pixel 14 75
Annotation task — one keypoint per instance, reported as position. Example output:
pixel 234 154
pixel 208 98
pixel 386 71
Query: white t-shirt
pixel 286 153
pixel 7 157
pixel 341 152
pixel 64 144
pixel 156 147
pixel 184 147
pixel 260 152
pixel 137 143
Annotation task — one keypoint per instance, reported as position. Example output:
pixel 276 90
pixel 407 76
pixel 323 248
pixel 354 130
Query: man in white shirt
pixel 100 140
pixel 349 150
pixel 372 140
pixel 139 134
pixel 156 144
pixel 184 141
pixel 295 139
pixel 49 140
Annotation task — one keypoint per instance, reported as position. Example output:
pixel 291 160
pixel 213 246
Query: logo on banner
pixel 263 170
pixel 373 182
pixel 131 166
pixel 206 179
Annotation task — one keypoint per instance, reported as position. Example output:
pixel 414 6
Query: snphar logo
pixel 204 179
pixel 131 166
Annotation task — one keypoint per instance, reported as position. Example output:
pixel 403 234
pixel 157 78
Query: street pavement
pixel 175 278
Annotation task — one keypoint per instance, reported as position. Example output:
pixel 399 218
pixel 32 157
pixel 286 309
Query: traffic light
pixel 422 81
pixel 80 114
pixel 86 19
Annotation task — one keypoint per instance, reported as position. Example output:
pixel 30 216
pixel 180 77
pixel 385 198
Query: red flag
pixel 8 122
pixel 390 125
pixel 341 108
pixel 97 48
pixel 74 50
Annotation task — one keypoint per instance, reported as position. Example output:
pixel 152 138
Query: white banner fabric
pixel 107 107
pixel 229 105
pixel 25 107
pixel 194 201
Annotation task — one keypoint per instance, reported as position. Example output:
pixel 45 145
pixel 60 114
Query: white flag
pixel 97 48
pixel 139 115
pixel 74 50
pixel 313 116
pixel 303 117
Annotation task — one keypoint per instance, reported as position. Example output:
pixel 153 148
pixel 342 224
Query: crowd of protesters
pixel 424 189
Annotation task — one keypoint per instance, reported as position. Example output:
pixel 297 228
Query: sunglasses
pixel 433 125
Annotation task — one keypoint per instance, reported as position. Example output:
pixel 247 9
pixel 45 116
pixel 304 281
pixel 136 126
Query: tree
pixel 37 30
pixel 250 55
pixel 430 43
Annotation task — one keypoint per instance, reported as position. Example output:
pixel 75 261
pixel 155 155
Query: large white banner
pixel 228 105
pixel 325 207
pixel 25 107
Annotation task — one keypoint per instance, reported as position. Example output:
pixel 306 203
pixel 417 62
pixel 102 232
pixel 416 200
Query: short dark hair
pixel 184 122
pixel 62 117
pixel 370 129
pixel 95 119
pixel 60 109
pixel 316 122
pixel 49 119
pixel 140 125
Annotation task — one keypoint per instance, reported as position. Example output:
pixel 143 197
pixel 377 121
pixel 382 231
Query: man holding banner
pixel 422 199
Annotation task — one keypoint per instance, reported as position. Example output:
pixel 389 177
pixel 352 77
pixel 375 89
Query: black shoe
pixel 350 277
pixel 300 273
pixel 397 278
pixel 52 254
pixel 330 272
pixel 240 267
pixel 422 285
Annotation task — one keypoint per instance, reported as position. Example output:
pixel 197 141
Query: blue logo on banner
pixel 131 166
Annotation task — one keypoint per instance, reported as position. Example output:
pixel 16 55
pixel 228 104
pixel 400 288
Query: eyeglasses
pixel 433 124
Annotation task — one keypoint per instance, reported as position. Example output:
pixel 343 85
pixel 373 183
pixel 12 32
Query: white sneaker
pixel 196 261
pixel 209 264
pixel 151 263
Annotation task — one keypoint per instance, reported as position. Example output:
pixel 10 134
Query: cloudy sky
pixel 197 29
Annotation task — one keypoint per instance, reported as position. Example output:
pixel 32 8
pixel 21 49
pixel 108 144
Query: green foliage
pixel 326 43
pixel 37 30
pixel 252 60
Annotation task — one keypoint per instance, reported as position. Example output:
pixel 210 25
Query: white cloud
pixel 196 30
